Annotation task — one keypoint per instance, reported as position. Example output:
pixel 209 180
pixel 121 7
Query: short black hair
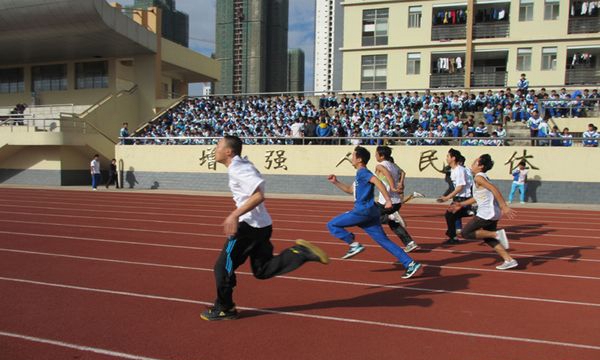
pixel 486 161
pixel 522 163
pixel 362 154
pixel 454 153
pixel 234 143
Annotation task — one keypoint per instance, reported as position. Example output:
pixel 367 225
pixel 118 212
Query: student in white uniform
pixel 491 207
pixel 461 192
pixel 391 175
pixel 248 229
pixel 95 172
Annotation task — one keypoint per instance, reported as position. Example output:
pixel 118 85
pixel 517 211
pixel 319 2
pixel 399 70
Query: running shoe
pixel 508 265
pixel 501 237
pixel 418 195
pixel 410 247
pixel 453 241
pixel 214 314
pixel 312 252
pixel 354 250
pixel 412 269
pixel 395 217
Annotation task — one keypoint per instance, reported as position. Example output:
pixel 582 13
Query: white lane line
pixel 217 224
pixel 225 210
pixel 338 243
pixel 96 350
pixel 196 201
pixel 169 232
pixel 320 317
pixel 328 281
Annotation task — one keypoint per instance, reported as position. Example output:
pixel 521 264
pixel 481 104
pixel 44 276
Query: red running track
pixel 107 275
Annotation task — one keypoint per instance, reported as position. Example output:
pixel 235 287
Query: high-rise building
pixel 295 71
pixel 251 46
pixel 175 24
pixel 329 35
pixel 473 44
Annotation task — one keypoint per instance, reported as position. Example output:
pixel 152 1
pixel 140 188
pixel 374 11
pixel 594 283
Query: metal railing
pixel 570 108
pixel 30 123
pixel 447 80
pixel 448 32
pixel 491 30
pixel 490 79
pixel 584 25
pixel 588 76
pixel 401 140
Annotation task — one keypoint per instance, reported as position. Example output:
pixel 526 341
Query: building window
pixel 551 9
pixel 375 27
pixel 414 64
pixel 49 77
pixel 91 75
pixel 549 58
pixel 524 59
pixel 11 81
pixel 526 10
pixel 414 16
pixel 373 72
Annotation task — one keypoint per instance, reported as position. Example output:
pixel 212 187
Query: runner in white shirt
pixel 95 172
pixel 461 192
pixel 248 229
pixel 391 175
pixel 491 207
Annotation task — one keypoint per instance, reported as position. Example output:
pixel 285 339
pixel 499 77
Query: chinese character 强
pixel 276 157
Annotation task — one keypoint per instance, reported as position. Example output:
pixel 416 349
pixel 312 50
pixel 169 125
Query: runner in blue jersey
pixel 365 213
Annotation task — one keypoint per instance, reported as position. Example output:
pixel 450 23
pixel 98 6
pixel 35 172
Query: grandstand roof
pixel 46 30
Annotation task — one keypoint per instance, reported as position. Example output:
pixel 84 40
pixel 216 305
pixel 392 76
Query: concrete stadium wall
pixel 556 175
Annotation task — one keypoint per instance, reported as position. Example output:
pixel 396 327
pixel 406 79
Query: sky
pixel 301 31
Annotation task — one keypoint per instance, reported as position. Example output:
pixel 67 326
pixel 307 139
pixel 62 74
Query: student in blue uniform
pixel 365 213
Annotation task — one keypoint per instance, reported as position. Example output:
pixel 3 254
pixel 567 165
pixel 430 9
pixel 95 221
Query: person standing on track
pixel 491 207
pixel 392 177
pixel 365 213
pixel 248 229
pixel 95 171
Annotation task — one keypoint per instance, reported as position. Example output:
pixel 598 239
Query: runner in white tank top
pixel 491 207
pixel 487 206
pixel 390 175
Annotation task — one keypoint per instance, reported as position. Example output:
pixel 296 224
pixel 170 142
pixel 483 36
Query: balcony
pixel 584 25
pixel 491 30
pixel 447 80
pixel 589 76
pixel 491 79
pixel 448 32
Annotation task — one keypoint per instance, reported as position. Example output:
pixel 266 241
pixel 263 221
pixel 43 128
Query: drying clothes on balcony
pixel 449 65
pixel 450 17
pixel 581 59
pixel 584 8
pixel 491 14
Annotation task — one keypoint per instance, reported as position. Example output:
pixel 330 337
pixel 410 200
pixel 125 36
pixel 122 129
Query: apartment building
pixel 470 44
pixel 329 31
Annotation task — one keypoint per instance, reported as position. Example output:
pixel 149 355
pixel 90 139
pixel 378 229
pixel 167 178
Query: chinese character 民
pixel 278 160
pixel 427 159
pixel 514 159
pixel 208 157
pixel 345 158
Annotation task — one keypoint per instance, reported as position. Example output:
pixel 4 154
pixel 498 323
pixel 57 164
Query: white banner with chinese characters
pixel 545 163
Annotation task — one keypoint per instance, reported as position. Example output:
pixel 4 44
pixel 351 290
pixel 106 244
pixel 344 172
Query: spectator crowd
pixel 427 118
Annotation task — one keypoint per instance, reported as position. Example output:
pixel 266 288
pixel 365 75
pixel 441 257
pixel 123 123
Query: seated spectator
pixel 481 130
pixel 470 140
pixel 566 137
pixel 555 136
pixel 591 136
